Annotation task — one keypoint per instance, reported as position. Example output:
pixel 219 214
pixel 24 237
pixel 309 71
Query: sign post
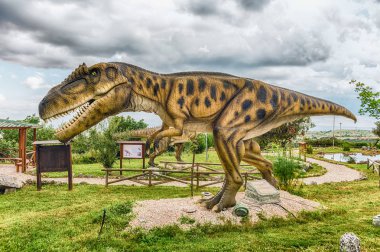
pixel 53 156
pixel 132 150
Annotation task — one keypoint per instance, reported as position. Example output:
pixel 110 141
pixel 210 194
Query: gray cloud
pixel 254 5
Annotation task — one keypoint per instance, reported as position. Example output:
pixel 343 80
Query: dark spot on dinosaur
pixel 93 118
pixel 207 102
pixel 236 114
pixel 140 87
pixel 289 100
pixel 131 80
pixel 133 72
pixel 148 82
pixel 163 84
pixel 197 101
pixel 262 94
pixel 314 104
pixel 261 114
pixel 323 106
pixel 141 76
pixel 309 107
pixel 227 84
pixel 155 89
pixel 180 88
pixel 213 92
pixel 247 118
pixel 124 71
pixel 295 97
pixel 249 85
pixel 65 101
pixel 181 101
pixel 222 96
pixel 331 108
pixel 190 87
pixel 308 102
pixel 111 73
pixel 201 85
pixel 274 100
pixel 302 101
pixel 246 105
pixel 74 97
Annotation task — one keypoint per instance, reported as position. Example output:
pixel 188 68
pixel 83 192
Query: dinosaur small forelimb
pixel 151 138
pixel 177 130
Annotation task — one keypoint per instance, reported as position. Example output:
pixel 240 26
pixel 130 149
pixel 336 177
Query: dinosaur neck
pixel 149 85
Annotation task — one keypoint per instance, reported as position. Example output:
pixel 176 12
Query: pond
pixel 359 157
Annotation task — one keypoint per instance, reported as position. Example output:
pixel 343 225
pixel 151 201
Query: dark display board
pixel 53 158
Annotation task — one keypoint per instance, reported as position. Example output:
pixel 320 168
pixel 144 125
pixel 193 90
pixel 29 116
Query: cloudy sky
pixel 315 47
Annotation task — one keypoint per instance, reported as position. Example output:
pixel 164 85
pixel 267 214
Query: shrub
pixel 287 171
pixel 106 149
pixel 346 146
pixel 309 149
pixel 351 160
pixel 85 158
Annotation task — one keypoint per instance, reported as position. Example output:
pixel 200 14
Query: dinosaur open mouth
pixel 75 114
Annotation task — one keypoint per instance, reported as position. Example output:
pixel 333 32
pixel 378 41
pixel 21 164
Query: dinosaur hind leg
pixel 253 157
pixel 229 152
pixel 178 151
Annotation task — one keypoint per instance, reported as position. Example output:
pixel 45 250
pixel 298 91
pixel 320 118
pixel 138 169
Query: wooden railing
pixel 374 166
pixel 153 177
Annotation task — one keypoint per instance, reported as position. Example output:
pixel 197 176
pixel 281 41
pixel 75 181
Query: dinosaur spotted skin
pixel 234 109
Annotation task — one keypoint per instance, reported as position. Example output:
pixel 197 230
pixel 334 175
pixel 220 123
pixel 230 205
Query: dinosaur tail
pixel 302 104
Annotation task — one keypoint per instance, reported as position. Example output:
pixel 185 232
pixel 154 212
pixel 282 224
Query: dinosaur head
pixel 91 93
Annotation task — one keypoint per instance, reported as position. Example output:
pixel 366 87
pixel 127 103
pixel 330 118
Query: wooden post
pixel 197 176
pixel 143 155
pixel 39 182
pixel 121 158
pixel 22 148
pixel 150 177
pixel 34 146
pixel 106 177
pixel 192 175
pixel 70 170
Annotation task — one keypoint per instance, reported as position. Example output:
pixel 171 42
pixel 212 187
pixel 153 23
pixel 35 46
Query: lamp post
pixel 333 132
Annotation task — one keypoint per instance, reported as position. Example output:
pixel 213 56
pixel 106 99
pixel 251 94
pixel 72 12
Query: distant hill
pixel 343 134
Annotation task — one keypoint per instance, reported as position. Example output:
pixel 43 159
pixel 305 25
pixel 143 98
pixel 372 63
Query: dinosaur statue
pixel 163 145
pixel 234 109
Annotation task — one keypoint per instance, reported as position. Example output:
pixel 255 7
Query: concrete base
pixel 261 192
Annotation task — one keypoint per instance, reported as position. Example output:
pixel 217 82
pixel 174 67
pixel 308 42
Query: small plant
pixel 346 146
pixel 309 149
pixel 351 160
pixel 287 170
pixel 186 220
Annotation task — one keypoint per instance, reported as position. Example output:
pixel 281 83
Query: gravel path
pixel 335 173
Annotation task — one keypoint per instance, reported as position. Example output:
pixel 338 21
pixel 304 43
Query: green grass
pixel 57 220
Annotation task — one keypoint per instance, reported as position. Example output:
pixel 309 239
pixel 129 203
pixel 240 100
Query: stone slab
pixel 7 181
pixel 262 192
pixel 376 221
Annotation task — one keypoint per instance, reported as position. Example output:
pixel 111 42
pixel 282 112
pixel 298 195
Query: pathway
pixel 335 173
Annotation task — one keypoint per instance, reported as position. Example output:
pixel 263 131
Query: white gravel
pixel 162 212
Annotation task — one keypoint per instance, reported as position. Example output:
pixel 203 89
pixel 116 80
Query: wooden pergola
pixel 22 128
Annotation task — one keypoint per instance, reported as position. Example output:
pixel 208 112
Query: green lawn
pixel 55 219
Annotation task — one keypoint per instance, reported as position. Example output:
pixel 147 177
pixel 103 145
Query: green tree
pixel 286 133
pixel 370 100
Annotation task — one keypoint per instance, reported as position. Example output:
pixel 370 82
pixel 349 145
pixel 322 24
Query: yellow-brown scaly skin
pixel 234 109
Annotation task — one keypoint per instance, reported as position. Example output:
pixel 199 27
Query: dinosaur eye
pixel 94 73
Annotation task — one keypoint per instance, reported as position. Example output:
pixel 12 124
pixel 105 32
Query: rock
pixel 7 181
pixel 349 242
pixel 376 221
pixel 189 209
pixel 261 192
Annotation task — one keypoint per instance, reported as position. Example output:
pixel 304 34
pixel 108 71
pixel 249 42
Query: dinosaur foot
pixel 224 199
